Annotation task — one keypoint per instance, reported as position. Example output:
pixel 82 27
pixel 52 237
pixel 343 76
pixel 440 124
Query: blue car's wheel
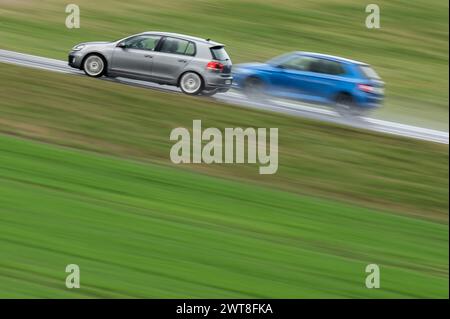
pixel 254 88
pixel 346 107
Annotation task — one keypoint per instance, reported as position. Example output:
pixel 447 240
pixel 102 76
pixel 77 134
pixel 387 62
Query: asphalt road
pixel 235 98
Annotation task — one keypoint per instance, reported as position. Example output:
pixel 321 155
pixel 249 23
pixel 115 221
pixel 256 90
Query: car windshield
pixel 219 53
pixel 369 72
pixel 279 59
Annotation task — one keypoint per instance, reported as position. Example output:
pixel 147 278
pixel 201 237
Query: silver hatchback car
pixel 196 65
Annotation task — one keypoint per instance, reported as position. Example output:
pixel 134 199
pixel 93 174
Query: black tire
pixel 254 88
pixel 346 107
pixel 94 65
pixel 191 83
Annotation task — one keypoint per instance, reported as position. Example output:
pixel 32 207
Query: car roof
pixel 329 57
pixel 184 36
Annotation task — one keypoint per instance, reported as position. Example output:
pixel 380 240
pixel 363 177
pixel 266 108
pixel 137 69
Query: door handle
pixel 182 61
pixel 148 56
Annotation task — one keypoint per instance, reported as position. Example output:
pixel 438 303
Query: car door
pixel 289 78
pixel 173 56
pixel 134 56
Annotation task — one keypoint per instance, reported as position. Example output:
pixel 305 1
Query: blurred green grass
pixel 146 230
pixel 359 167
pixel 410 50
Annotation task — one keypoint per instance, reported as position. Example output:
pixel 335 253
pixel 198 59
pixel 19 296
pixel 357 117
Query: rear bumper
pixel 370 104
pixel 369 100
pixel 219 81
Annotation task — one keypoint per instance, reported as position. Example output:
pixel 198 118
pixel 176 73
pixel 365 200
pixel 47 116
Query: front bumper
pixel 74 59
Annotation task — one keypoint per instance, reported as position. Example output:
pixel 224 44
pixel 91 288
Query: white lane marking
pixel 383 126
pixel 306 108
pixel 233 94
pixel 28 57
pixel 377 125
pixel 413 135
pixel 35 65
pixel 411 128
pixel 407 127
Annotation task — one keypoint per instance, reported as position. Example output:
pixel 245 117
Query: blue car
pixel 351 87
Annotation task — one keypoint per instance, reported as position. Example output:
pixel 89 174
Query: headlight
pixel 78 47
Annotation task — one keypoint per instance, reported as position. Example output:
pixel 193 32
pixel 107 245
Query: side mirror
pixel 121 45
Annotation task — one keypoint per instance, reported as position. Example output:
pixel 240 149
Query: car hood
pixel 95 43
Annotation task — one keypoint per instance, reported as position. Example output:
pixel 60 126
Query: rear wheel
pixel 191 83
pixel 254 88
pixel 94 66
pixel 346 107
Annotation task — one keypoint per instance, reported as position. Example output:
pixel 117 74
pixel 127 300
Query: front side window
pixel 177 46
pixel 143 42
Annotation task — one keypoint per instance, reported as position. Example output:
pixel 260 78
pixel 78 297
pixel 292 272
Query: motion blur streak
pixel 86 176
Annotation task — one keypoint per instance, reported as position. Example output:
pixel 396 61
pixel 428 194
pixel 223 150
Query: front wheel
pixel 346 107
pixel 94 66
pixel 191 83
pixel 254 88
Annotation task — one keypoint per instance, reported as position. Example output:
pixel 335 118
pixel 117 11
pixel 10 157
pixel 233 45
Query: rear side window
pixel 326 67
pixel 369 72
pixel 219 53
pixel 334 68
pixel 178 46
pixel 190 49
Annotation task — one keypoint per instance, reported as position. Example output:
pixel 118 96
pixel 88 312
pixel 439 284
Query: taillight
pixel 366 88
pixel 213 65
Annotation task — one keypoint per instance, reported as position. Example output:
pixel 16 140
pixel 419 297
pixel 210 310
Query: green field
pixel 410 51
pixel 150 231
pixel 102 193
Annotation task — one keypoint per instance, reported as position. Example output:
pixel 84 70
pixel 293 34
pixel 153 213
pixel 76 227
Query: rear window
pixel 219 53
pixel 369 72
